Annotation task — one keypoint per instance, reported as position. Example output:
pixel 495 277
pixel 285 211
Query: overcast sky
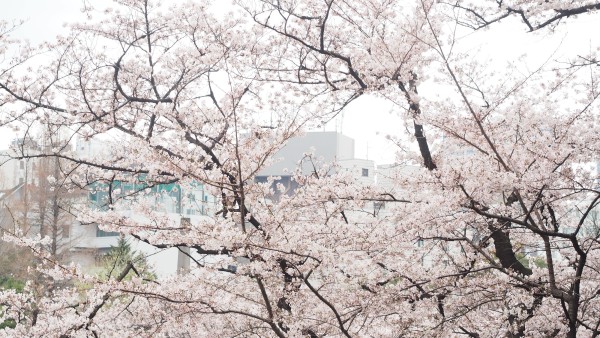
pixel 367 120
pixel 42 20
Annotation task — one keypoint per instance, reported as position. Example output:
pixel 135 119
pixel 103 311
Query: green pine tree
pixel 119 256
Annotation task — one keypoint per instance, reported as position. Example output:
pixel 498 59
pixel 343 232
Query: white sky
pixel 43 20
pixel 367 120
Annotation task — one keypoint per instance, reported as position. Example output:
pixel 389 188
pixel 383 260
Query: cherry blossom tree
pixel 493 234
pixel 534 15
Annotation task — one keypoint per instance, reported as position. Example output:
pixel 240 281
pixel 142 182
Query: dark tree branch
pixel 481 21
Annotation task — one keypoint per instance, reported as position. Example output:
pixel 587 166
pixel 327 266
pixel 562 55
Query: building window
pixel 365 172
pixel 102 233
pixel 21 164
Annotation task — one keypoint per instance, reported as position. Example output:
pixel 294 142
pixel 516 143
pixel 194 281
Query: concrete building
pixel 14 172
pixel 87 243
pixel 29 197
pixel 326 148
pixel 7 197
pixel 177 202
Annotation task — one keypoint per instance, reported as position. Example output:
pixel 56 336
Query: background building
pixel 86 244
pixel 325 148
